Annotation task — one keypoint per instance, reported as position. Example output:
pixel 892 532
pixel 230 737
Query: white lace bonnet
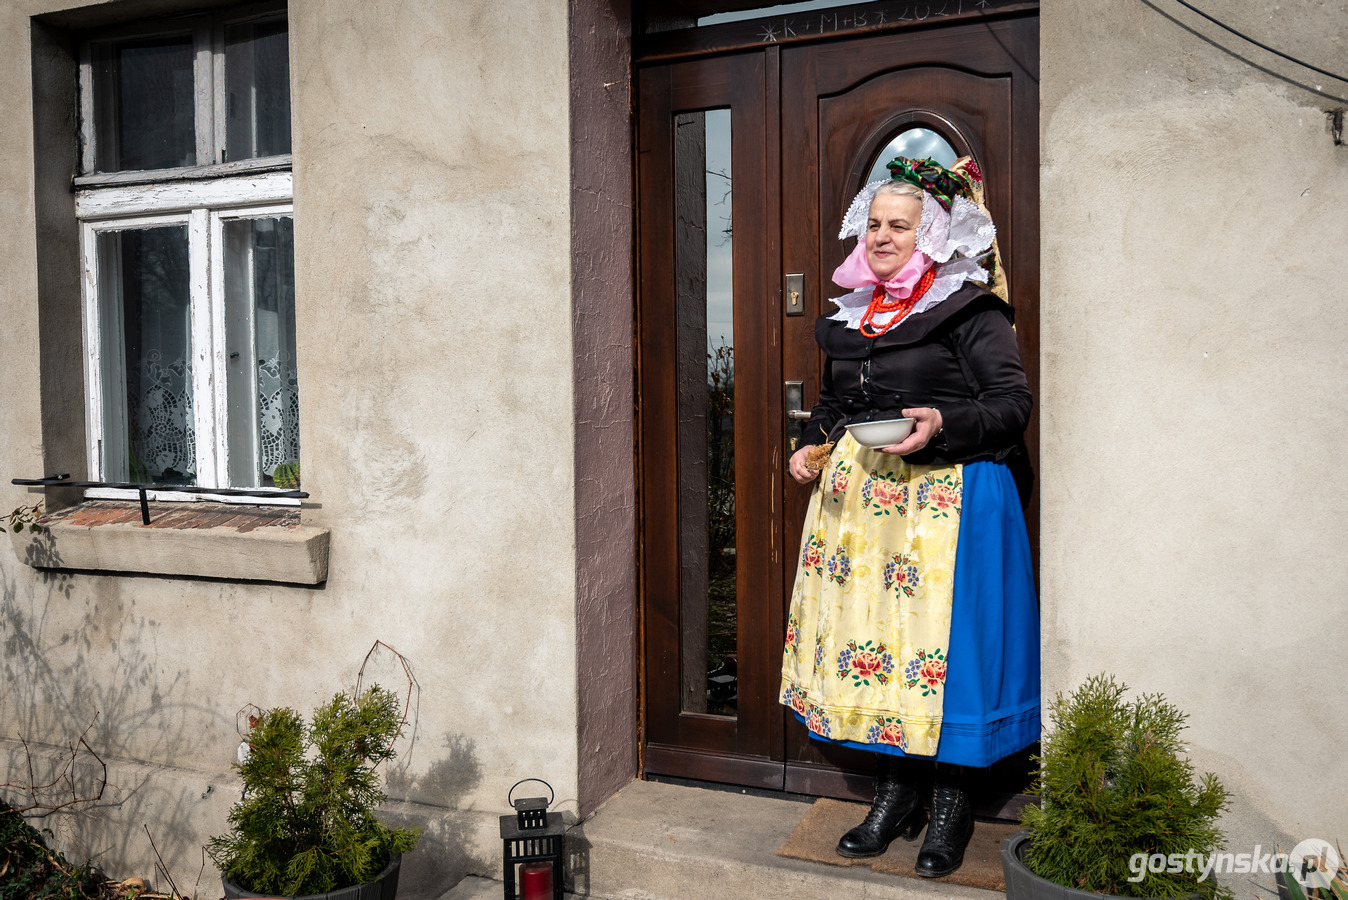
pixel 966 230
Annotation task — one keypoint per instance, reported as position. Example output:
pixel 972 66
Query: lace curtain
pixel 163 436
pixel 163 433
pixel 278 412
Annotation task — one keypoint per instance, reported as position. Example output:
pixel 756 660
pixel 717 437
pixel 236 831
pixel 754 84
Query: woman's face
pixel 891 233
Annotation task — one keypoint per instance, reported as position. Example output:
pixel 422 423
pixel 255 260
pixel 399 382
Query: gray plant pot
pixel 1022 884
pixel 384 887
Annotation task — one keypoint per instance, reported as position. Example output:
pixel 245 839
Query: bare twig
pixel 41 803
pixel 407 671
pixel 160 867
pixel 196 888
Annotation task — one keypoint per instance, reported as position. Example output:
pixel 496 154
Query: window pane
pixel 805 23
pixel 144 105
pixel 706 435
pixel 257 74
pixel 264 406
pixel 149 433
pixel 914 143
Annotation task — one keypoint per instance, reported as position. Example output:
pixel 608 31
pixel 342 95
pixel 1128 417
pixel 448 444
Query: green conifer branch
pixel 306 823
pixel 1112 784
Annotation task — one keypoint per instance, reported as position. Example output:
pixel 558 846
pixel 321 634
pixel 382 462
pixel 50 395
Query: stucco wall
pixel 432 209
pixel 1194 523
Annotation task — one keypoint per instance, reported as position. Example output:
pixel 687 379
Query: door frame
pixel 606 46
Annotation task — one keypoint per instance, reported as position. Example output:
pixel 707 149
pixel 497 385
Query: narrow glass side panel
pixel 261 378
pixel 913 143
pixel 149 432
pixel 706 424
pixel 143 108
pixel 257 84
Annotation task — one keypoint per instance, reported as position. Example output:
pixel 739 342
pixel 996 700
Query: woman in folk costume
pixel 914 628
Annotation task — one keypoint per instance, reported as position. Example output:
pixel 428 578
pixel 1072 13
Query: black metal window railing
pixel 143 490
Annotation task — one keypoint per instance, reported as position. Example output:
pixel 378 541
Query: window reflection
pixel 257 76
pixel 772 10
pixel 914 143
pixel 149 422
pixel 263 381
pixel 706 438
pixel 144 107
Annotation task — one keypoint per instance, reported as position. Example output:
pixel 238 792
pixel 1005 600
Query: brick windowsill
pixel 199 540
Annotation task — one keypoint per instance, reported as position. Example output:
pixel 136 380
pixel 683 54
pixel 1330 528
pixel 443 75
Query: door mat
pixel 816 838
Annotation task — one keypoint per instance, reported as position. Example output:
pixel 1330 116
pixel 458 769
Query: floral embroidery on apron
pixel 869 627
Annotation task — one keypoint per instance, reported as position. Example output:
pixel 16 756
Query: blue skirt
pixel 991 706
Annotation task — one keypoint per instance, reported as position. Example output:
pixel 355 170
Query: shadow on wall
pixel 79 658
pixel 58 639
pixel 576 847
pixel 442 856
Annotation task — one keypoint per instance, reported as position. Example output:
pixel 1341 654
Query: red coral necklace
pixel 881 305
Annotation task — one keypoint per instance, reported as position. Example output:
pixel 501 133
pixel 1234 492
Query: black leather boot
pixel 895 812
pixel 951 826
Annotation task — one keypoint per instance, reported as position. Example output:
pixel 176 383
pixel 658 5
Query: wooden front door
pixel 746 162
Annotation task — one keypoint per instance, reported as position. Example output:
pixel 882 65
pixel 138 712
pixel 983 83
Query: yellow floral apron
pixel 869 627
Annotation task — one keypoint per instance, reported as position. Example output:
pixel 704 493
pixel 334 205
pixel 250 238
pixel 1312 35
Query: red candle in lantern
pixel 536 881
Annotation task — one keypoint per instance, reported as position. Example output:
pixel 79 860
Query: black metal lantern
pixel 532 846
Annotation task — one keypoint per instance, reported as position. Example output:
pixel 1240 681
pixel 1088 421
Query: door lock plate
pixel 795 294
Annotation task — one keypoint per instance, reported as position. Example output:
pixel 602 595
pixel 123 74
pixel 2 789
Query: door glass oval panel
pixel 914 143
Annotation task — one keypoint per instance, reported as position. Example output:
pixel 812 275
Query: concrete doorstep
pixel 670 842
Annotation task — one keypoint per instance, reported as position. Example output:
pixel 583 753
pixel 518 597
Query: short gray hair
pixel 900 187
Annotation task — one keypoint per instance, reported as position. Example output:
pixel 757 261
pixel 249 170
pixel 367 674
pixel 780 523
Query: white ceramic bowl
pixel 881 434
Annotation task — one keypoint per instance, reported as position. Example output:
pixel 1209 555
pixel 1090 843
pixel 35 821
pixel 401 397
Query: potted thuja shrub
pixel 306 824
pixel 1117 796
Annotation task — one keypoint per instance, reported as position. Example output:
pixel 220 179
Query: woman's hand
pixel 796 466
pixel 926 426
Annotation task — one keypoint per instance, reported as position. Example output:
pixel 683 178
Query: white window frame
pixel 210 96
pixel 202 197
pixel 205 230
